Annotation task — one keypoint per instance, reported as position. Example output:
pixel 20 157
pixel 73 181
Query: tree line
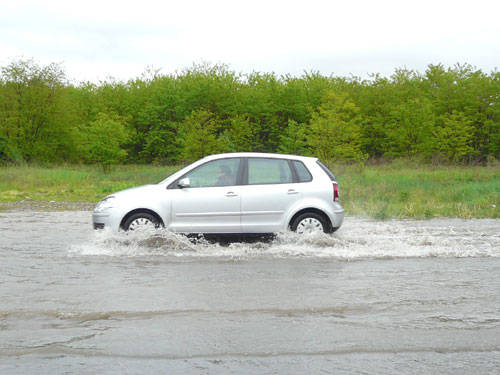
pixel 443 115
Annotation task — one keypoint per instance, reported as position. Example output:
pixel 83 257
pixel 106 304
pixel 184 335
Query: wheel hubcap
pixel 309 225
pixel 141 223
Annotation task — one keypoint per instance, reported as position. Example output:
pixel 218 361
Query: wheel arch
pixel 313 210
pixel 141 210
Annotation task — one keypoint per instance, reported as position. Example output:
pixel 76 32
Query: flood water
pixel 376 297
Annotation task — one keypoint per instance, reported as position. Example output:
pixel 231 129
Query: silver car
pixel 235 193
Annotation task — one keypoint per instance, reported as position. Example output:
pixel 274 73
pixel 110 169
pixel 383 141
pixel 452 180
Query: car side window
pixel 303 173
pixel 222 172
pixel 268 171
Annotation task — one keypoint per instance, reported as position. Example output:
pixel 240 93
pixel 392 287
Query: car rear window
pixel 327 171
pixel 302 173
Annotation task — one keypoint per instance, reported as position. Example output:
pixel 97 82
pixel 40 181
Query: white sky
pixel 97 39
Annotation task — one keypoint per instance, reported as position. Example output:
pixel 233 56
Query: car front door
pixel 269 194
pixel 211 202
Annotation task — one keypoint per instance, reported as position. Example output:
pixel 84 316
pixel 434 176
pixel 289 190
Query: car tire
pixel 141 220
pixel 310 222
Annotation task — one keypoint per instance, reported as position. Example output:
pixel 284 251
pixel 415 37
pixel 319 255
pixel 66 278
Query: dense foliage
pixel 441 115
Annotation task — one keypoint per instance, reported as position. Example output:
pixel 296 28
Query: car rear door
pixel 268 194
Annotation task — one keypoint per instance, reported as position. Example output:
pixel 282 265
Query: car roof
pixel 257 155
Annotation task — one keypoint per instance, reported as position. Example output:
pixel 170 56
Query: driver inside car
pixel 224 177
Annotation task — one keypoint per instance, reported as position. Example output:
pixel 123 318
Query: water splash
pixel 357 239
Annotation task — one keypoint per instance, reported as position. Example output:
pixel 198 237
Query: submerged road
pixel 375 297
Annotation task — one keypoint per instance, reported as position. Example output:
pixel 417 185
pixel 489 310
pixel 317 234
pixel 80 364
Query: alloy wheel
pixel 309 225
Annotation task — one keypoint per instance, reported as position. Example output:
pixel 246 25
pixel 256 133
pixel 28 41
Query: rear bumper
pixel 336 216
pixel 339 219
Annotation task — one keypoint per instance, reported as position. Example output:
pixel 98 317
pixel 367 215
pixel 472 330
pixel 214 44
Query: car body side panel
pixel 263 207
pixel 205 210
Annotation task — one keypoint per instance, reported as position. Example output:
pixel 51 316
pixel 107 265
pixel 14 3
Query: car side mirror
pixel 184 183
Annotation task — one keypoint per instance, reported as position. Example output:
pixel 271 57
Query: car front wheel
pixel 141 221
pixel 309 223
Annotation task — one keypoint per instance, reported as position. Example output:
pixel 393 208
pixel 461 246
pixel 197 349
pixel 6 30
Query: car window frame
pixel 239 175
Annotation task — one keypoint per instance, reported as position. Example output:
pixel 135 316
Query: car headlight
pixel 105 204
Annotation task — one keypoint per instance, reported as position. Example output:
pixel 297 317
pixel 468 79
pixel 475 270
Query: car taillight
pixel 335 192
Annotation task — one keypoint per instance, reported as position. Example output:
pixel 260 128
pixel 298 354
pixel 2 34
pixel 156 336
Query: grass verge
pixel 399 190
pixel 74 183
pixel 395 190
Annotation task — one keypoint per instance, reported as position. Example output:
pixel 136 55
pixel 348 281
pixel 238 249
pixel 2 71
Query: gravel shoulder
pixel 46 206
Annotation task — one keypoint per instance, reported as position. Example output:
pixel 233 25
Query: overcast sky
pixel 97 39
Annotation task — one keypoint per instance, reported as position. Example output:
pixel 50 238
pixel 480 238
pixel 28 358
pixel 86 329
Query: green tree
pixel 334 131
pixel 240 135
pixel 8 154
pixel 454 138
pixel 36 114
pixel 293 139
pixel 410 129
pixel 102 141
pixel 467 90
pixel 409 114
pixel 200 135
pixel 162 143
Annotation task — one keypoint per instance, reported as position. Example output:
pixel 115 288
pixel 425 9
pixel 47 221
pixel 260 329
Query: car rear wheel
pixel 141 221
pixel 309 223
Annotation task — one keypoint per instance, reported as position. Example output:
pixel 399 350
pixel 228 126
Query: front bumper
pixel 104 220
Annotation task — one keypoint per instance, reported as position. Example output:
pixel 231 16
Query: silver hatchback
pixel 237 193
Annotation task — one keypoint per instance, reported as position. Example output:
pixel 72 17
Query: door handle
pixel 292 191
pixel 231 194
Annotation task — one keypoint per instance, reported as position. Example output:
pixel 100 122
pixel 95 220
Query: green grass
pixel 399 190
pixel 74 183
pixel 404 191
